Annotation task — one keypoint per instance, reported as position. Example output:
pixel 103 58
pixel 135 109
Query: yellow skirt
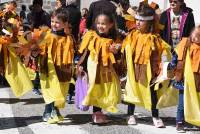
pixel 103 95
pixel 18 77
pixel 52 89
pixel 191 96
pixel 138 94
pixel 31 73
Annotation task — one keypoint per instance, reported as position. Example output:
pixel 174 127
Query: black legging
pixel 154 100
pixel 96 109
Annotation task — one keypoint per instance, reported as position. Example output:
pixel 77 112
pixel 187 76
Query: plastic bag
pixel 81 91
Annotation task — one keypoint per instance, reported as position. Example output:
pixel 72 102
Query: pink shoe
pixel 99 118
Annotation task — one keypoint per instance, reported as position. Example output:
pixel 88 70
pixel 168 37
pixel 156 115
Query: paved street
pixel 24 116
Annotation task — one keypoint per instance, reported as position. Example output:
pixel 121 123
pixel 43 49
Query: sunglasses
pixel 173 1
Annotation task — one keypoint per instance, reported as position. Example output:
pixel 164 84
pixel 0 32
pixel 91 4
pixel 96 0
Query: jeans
pixel 180 108
pixel 154 100
pixel 48 108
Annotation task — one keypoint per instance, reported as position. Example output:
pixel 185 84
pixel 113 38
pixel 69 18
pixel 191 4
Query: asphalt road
pixel 24 116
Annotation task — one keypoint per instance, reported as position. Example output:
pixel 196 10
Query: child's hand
pixel 79 70
pixel 170 74
pixel 114 48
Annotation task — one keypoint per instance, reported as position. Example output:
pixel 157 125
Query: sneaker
pixel 36 91
pixel 131 120
pixel 158 122
pixel 61 118
pixel 55 114
pixel 180 128
pixel 46 117
pixel 52 121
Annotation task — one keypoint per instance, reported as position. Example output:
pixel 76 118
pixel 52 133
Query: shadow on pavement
pixel 79 119
pixel 27 101
pixel 168 121
pixel 15 122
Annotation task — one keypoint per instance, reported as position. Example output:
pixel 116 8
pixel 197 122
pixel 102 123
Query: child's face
pixel 142 25
pixel 195 36
pixel 103 24
pixel 57 24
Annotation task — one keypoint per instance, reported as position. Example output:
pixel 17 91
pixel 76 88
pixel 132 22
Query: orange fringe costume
pixel 188 68
pixel 10 64
pixel 104 87
pixel 55 61
pixel 144 53
pixel 13 69
pixel 55 58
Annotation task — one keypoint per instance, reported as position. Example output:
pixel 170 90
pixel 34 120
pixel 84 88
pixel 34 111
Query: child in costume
pixel 97 47
pixel 145 52
pixel 10 65
pixel 186 62
pixel 56 65
pixel 55 61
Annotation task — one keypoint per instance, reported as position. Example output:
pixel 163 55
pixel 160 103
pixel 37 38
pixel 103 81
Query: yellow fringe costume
pixel 191 71
pixel 104 87
pixel 56 67
pixel 13 69
pixel 143 56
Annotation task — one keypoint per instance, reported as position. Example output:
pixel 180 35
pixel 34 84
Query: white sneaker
pixel 131 120
pixel 158 122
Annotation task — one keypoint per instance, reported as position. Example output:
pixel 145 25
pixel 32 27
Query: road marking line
pixel 6 114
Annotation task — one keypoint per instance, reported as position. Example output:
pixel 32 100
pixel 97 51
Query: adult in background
pixel 23 12
pixel 108 6
pixel 24 17
pixel 178 21
pixel 82 26
pixel 29 18
pixel 74 17
pixel 39 17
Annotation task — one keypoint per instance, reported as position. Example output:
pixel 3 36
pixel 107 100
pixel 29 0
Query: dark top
pixel 186 25
pixel 23 14
pixel 37 19
pixel 59 33
pixel 74 18
pixel 98 7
